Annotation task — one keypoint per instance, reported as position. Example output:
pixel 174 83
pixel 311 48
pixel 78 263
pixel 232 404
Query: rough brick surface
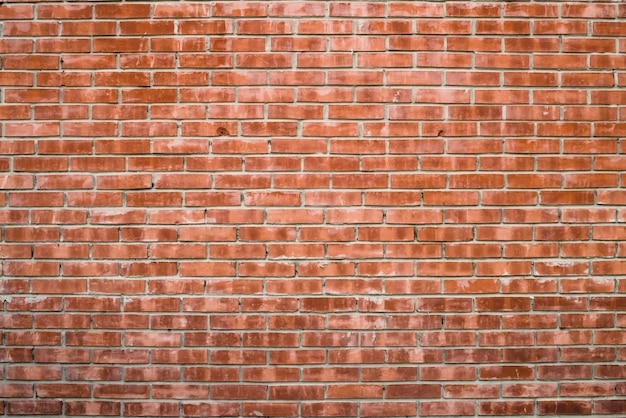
pixel 350 209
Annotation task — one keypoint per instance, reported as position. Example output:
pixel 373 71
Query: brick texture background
pixel 359 209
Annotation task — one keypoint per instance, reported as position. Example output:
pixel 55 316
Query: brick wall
pixel 313 208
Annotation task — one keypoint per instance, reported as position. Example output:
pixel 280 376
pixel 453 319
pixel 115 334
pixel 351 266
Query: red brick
pixel 246 202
